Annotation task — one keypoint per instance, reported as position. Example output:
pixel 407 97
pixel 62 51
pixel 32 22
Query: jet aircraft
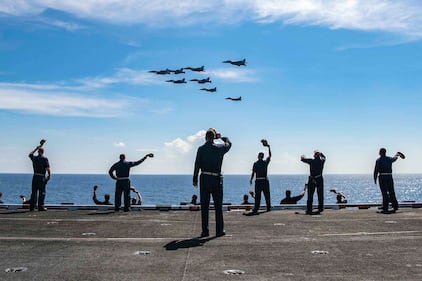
pixel 209 90
pixel 161 72
pixel 198 69
pixel 234 99
pixel 202 81
pixel 178 71
pixel 177 81
pixel 237 62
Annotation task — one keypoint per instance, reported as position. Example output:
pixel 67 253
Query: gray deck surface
pixel 347 244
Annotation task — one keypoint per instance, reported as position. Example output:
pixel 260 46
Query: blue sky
pixel 339 76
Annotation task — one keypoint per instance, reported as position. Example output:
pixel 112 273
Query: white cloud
pixel 198 136
pixel 70 26
pixel 179 145
pixel 119 144
pixel 59 103
pixel 233 75
pixel 121 76
pixel 184 146
pixel 162 111
pixel 401 17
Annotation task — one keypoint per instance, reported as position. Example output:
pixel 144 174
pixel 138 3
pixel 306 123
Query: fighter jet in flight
pixel 209 90
pixel 161 72
pixel 236 62
pixel 234 99
pixel 202 81
pixel 177 81
pixel 198 69
pixel 178 71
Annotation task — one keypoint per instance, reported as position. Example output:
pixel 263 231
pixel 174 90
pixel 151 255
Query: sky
pixel 339 76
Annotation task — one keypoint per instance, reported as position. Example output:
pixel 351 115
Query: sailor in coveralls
pixel 39 180
pixel 383 171
pixel 316 181
pixel 262 184
pixel 122 169
pixel 209 159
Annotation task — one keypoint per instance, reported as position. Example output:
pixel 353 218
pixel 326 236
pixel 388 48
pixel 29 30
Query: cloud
pixel 121 76
pixel 119 144
pixel 234 75
pixel 184 146
pixel 58 103
pixel 402 17
pixel 179 145
pixel 199 135
pixel 162 111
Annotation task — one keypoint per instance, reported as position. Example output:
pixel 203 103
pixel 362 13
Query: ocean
pixel 173 189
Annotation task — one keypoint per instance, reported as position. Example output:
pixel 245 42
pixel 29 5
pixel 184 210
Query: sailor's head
pixel 40 151
pixel 210 134
pixel 133 200
pixel 288 193
pixel 245 197
pixel 122 156
pixel 383 151
pixel 107 197
pixel 261 155
pixel 316 153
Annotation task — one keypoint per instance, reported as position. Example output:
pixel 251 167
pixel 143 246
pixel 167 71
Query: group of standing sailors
pixel 207 174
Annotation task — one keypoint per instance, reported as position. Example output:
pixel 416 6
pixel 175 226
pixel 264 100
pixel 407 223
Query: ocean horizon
pixel 177 188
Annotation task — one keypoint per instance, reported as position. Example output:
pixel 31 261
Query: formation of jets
pixel 199 81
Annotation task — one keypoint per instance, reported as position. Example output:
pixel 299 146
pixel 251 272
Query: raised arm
pixel 94 196
pixel 143 159
pixel 305 160
pixel 269 153
pixel 227 144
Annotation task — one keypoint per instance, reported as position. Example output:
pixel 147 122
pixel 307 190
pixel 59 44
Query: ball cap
pixel 401 155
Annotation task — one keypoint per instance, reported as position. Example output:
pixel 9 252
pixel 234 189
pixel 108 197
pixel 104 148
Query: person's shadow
pixel 187 243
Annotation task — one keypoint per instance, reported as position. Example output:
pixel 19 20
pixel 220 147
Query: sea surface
pixel 173 189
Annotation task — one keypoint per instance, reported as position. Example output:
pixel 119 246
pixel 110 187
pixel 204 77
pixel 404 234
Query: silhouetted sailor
pixel 98 202
pixel 316 181
pixel 293 200
pixel 383 170
pixel 209 159
pixel 340 197
pixel 39 180
pixel 122 169
pixel 262 184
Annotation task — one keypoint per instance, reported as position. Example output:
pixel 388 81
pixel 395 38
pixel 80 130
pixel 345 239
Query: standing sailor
pixel 383 171
pixel 121 176
pixel 39 180
pixel 316 181
pixel 262 184
pixel 209 160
